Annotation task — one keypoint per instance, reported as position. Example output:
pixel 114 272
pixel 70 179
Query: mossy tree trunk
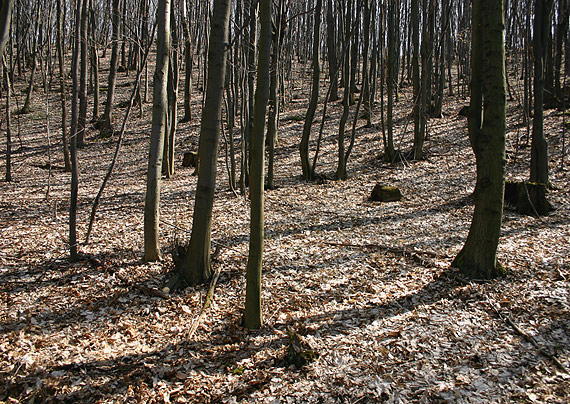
pixel 195 264
pixel 487 123
pixel 158 133
pixel 253 314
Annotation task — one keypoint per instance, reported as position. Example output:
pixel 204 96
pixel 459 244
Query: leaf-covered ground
pixel 367 285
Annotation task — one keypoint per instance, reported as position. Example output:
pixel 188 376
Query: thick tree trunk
pixel 253 314
pixel 158 133
pixel 478 258
pixel 195 264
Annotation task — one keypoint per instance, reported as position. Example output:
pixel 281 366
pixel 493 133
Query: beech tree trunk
pixel 487 125
pixel 253 317
pixel 158 133
pixel 195 263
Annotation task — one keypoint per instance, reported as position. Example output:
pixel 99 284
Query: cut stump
pixel 190 159
pixel 528 197
pixel 383 193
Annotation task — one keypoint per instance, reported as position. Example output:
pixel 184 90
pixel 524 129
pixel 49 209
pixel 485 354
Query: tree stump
pixel 190 159
pixel 383 193
pixel 529 198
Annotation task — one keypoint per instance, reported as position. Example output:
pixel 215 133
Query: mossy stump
pixel 529 198
pixel 383 193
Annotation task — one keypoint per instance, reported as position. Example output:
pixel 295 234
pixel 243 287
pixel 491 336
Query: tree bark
pixel 158 133
pixel 539 146
pixel 310 116
pixel 253 317
pixel 487 125
pixel 195 264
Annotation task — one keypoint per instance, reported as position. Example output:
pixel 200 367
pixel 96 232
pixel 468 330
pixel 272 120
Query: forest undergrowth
pixel 367 285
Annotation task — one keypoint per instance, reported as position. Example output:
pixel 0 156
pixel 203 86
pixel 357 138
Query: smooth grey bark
pixel 195 264
pixel 487 126
pixel 253 317
pixel 158 133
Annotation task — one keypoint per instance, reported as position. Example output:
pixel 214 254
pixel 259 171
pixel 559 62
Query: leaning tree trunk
pixel 478 258
pixel 253 315
pixel 158 133
pixel 195 263
pixel 539 146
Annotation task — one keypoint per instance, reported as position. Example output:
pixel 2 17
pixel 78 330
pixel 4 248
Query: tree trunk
pixel 83 63
pixel 5 19
pixel 310 116
pixel 253 314
pixel 8 127
pixel 331 51
pixel 158 133
pixel 195 263
pixel 74 256
pixel 107 119
pixel 62 90
pixel 487 125
pixel 539 146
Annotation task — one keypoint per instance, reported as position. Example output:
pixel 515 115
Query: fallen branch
pixel 207 303
pixel 529 338
pixel 414 254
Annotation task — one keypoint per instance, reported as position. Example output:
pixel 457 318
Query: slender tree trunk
pixel 539 146
pixel 195 263
pixel 62 90
pixel 331 50
pixel 253 317
pixel 310 116
pixel 83 64
pixel 8 126
pixel 74 256
pixel 107 119
pixel 158 133
pixel 487 125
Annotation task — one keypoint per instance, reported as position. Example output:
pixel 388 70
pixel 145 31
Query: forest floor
pixel 368 285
